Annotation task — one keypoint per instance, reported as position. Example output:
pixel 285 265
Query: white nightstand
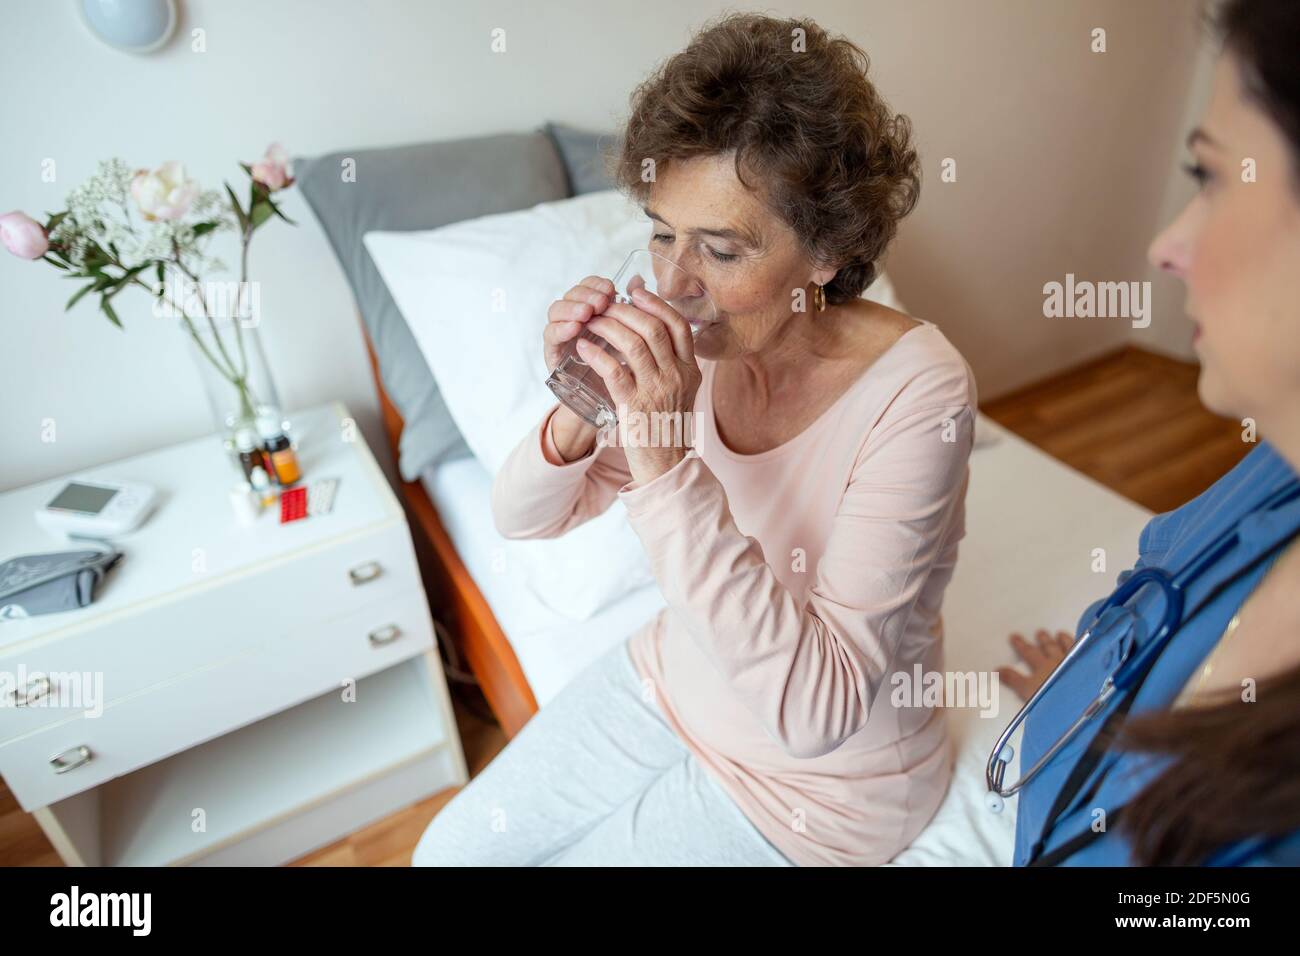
pixel 265 690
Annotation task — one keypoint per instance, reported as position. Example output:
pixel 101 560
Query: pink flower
pixel 164 193
pixel 23 236
pixel 274 170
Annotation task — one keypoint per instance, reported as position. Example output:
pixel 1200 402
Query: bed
pixel 1034 528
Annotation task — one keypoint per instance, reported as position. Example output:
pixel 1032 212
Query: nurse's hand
pixel 1040 658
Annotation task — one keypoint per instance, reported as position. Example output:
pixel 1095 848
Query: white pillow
pixel 475 294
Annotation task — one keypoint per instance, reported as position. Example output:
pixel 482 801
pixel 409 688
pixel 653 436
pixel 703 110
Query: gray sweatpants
pixel 596 778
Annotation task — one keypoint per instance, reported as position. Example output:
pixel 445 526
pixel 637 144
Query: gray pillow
pixel 410 188
pixel 583 155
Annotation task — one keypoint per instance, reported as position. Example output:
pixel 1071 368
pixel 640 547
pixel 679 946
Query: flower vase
pixel 235 375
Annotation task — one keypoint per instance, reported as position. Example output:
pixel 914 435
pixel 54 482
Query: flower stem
pixel 239 300
pixel 247 402
pixel 207 312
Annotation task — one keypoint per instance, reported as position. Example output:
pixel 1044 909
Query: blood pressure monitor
pixel 98 508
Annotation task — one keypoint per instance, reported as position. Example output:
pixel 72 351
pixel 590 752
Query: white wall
pixel 1170 331
pixel 1062 157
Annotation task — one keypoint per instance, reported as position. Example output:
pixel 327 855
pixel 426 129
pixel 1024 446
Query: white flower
pixel 99 214
pixel 163 193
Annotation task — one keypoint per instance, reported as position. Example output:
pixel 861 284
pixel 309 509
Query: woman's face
pixel 1237 248
pixel 748 261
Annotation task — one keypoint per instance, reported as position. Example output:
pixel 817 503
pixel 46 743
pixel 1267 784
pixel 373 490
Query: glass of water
pixel 577 384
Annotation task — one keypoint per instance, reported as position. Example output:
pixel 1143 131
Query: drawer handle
pixel 385 635
pixel 34 691
pixel 365 573
pixel 70 759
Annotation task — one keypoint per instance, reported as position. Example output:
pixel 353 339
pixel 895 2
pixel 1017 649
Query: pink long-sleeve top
pixel 799 581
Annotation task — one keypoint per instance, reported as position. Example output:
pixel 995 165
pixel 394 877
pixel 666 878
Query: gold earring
pixel 819 298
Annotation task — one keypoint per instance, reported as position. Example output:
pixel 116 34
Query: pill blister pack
pixel 308 500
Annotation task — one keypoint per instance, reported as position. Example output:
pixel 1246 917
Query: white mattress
pixel 1032 527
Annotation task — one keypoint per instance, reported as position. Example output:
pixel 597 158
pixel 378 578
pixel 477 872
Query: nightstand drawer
pixel 201 627
pixel 315 658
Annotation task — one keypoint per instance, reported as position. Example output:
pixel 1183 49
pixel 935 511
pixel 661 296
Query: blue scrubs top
pixel 1169 541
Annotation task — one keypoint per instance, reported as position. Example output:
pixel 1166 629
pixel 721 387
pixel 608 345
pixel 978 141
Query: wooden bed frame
pixel 454 598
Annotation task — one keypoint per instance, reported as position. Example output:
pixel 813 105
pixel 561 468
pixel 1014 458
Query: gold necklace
pixel 1208 667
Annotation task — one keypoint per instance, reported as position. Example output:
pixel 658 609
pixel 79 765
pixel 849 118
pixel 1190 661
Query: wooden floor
pixel 1131 421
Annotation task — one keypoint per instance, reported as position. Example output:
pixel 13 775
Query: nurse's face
pixel 1237 248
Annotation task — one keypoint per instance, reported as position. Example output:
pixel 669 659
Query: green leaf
pixel 276 209
pixel 108 311
pixel 54 220
pixel 95 259
pixel 203 228
pixel 239 210
pixel 54 262
pixel 160 272
pixel 258 193
pixel 77 296
pixel 260 212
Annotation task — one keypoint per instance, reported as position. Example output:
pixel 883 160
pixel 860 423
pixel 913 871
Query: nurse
pixel 1190 751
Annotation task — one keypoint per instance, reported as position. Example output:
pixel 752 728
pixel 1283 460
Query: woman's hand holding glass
pixel 660 377
pixel 565 320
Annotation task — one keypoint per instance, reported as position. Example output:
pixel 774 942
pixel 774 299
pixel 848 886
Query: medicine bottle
pixel 262 487
pixel 250 455
pixel 280 456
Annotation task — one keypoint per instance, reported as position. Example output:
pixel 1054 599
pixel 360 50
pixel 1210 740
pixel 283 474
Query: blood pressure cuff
pixel 57 581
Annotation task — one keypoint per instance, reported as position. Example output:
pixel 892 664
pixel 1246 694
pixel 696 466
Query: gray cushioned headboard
pixel 407 188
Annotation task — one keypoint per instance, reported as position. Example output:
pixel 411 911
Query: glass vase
pixel 235 374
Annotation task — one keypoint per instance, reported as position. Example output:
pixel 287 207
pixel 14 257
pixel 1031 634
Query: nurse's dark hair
pixel 1261 37
pixel 1234 765
pixel 1234 774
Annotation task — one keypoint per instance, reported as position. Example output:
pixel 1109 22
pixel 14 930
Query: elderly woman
pixel 802 544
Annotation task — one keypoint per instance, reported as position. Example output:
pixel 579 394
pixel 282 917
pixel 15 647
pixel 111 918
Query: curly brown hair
pixel 834 163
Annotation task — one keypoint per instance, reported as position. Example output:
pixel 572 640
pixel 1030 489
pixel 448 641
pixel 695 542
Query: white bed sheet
pixel 1027 561
pixel 551 648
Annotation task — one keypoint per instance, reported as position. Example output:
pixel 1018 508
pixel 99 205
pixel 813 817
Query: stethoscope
pixel 1113 615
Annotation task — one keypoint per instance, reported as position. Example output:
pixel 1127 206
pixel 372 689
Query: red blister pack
pixel 293 504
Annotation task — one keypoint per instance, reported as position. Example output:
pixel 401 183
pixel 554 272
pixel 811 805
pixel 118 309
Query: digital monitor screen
pixel 88 499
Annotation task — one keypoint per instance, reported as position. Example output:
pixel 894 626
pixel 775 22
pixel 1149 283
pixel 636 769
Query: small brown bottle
pixel 279 453
pixel 250 455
